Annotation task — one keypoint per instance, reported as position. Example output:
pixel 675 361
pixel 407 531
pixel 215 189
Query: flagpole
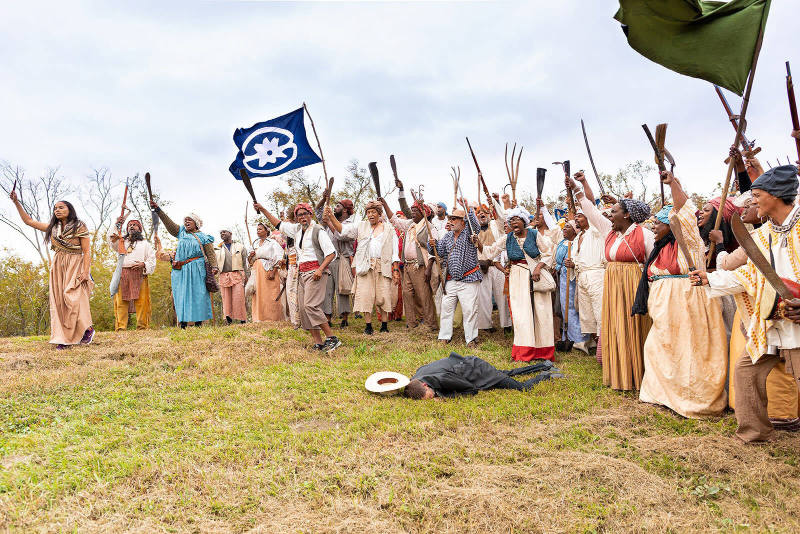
pixel 736 140
pixel 321 156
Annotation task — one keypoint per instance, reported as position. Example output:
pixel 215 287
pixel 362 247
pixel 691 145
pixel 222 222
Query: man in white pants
pixel 463 275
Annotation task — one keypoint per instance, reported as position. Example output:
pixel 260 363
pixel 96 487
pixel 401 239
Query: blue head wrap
pixel 663 214
pixel 443 206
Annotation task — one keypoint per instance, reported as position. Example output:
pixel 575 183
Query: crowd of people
pixel 609 278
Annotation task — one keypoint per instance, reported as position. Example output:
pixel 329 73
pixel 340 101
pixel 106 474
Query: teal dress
pixel 192 301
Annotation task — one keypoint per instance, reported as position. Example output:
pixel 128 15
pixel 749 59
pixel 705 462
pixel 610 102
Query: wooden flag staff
pixel 736 141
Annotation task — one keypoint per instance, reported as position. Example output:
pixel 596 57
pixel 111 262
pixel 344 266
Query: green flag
pixel 714 41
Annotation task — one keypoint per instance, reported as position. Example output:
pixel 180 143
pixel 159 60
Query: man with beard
pixel 233 274
pixel 340 283
pixel 440 220
pixel 315 253
pixel 417 294
pixel 133 294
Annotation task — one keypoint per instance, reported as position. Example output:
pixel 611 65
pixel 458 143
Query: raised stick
pixel 314 129
pixel 736 140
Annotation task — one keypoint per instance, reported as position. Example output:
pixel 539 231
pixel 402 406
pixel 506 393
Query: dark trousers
pixel 510 383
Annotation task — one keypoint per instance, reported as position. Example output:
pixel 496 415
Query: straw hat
pixel 386 382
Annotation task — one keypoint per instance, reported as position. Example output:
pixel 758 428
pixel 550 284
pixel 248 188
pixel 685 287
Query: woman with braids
pixel 627 246
pixel 686 351
pixel 195 248
pixel 70 283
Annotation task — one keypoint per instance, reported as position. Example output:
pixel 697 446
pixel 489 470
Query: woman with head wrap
pixel 265 260
pixel 530 284
pixel 685 353
pixel 573 333
pixel 189 293
pixel 627 246
pixel 774 330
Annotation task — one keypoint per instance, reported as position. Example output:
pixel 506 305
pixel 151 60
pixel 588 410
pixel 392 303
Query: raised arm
pixel 679 196
pixel 27 219
pixel 270 217
pixel 594 216
pixel 587 189
pixel 171 227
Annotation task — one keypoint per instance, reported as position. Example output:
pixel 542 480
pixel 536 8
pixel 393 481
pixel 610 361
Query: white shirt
pixel 305 250
pixel 782 334
pixel 439 224
pixel 142 252
pixel 375 243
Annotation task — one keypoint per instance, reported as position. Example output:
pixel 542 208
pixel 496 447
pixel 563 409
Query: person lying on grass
pixel 466 375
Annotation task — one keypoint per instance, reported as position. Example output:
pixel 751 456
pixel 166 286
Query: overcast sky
pixel 161 86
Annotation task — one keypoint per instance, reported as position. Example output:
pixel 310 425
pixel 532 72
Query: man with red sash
pixel 315 252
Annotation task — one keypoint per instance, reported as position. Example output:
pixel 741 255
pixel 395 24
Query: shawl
pixel 60 240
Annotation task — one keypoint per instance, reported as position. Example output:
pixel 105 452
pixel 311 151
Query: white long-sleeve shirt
pixel 783 333
pixel 138 251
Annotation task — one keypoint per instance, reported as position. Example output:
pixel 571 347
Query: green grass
pixel 242 428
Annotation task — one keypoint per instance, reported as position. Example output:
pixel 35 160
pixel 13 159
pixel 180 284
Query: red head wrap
pixel 730 207
pixel 303 206
pixel 347 204
pixel 423 208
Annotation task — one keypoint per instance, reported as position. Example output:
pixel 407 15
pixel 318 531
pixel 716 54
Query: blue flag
pixel 273 147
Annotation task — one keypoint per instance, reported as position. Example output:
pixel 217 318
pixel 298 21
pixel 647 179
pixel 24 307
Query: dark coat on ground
pixel 459 375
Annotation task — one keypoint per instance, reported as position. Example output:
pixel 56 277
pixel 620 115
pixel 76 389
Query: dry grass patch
pixel 242 429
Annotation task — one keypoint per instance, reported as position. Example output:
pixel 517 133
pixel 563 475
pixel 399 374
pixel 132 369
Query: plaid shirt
pixel 460 254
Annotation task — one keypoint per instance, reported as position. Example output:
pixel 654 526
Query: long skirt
pixel 264 304
pixel 623 335
pixel 686 351
pixel 373 290
pixel 574 323
pixel 533 325
pixel 192 301
pixel 70 315
pixel 782 395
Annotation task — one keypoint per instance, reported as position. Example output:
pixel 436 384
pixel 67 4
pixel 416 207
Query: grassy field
pixel 240 429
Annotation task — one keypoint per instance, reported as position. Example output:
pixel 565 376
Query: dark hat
pixel 779 182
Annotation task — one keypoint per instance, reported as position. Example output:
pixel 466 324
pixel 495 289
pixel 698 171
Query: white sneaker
pixel 581 347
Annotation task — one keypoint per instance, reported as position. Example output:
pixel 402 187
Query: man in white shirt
pixel 774 330
pixel 315 252
pixel 377 265
pixel 139 262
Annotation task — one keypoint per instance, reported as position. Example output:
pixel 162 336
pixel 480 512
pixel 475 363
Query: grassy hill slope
pixel 243 429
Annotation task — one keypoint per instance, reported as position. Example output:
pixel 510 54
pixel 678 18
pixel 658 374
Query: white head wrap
pixel 196 218
pixel 742 199
pixel 223 229
pixel 520 212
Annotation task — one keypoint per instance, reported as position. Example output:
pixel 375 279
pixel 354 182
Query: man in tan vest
pixel 233 273
pixel 417 294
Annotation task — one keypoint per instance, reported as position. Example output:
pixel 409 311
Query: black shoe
pixel 491 330
pixel 357 315
pixel 183 325
pixel 384 327
pixel 331 343
pixel 198 324
pixel 507 329
pixel 318 346
pixel 228 320
pixel 368 329
pixel 344 324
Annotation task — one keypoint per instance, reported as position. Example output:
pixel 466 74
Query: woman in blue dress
pixel 189 293
pixel 573 334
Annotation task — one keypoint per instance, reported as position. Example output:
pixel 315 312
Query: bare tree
pixel 37 197
pixel 100 202
pixel 358 186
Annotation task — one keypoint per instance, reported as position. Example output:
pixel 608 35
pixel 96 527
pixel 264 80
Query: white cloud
pixel 161 86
